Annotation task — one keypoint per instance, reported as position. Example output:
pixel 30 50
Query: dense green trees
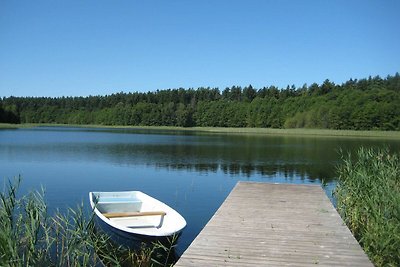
pixel 9 113
pixel 365 104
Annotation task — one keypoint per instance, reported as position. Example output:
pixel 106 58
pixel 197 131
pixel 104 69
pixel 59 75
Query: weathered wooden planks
pixel 263 224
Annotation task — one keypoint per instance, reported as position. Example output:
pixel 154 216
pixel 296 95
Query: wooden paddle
pixel 134 214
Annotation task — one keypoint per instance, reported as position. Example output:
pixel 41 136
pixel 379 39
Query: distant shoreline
pixel 256 131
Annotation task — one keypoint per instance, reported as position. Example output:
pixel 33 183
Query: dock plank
pixel 262 224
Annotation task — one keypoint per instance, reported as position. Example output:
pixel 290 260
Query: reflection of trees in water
pixel 289 171
pixel 229 161
pixel 304 159
pixel 291 158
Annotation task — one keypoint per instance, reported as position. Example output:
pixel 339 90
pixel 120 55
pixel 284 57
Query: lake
pixel 193 172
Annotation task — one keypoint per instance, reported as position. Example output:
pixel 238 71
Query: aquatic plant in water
pixel 30 237
pixel 368 199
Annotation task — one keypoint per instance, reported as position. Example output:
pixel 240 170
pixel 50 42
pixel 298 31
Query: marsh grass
pixel 231 130
pixel 16 126
pixel 30 237
pixel 368 199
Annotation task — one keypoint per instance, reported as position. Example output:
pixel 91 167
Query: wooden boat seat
pixel 134 214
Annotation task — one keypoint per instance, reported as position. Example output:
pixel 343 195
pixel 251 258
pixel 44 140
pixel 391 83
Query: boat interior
pixel 130 212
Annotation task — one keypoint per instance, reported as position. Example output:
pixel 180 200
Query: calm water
pixel 192 172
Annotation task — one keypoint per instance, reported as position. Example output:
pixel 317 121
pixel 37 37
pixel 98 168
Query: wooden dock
pixel 263 224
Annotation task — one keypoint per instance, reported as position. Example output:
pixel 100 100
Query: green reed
pixel 30 237
pixel 368 199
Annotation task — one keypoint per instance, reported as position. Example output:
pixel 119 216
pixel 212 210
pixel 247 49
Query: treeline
pixel 365 104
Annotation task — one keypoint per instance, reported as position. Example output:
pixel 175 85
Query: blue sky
pixel 80 48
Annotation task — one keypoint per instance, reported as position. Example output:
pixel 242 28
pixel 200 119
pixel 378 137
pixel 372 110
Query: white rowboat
pixel 136 216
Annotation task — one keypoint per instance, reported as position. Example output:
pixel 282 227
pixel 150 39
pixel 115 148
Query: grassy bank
pixel 16 126
pixel 304 132
pixel 368 199
pixel 24 125
pixel 256 131
pixel 30 237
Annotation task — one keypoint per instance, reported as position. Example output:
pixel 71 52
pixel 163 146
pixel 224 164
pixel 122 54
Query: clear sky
pixel 98 47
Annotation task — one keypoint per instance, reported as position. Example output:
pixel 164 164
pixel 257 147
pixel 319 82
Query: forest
pixel 371 103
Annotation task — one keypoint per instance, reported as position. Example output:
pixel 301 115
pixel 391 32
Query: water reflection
pixel 191 171
pixel 290 171
pixel 306 158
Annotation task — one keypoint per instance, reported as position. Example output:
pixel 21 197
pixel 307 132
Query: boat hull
pixel 132 240
pixel 134 219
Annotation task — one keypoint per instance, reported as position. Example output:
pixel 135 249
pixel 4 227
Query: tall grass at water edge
pixel 30 237
pixel 368 199
pixel 324 133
